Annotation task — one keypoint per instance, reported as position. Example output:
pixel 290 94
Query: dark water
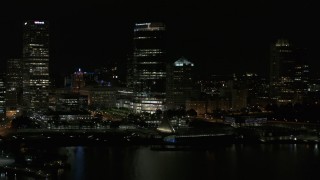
pixel 263 161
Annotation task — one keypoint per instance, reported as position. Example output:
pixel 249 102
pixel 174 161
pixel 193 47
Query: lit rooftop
pixel 183 62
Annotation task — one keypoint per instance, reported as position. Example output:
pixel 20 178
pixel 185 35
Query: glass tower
pixel 148 67
pixel 36 66
pixel 14 85
pixel 288 73
pixel 180 83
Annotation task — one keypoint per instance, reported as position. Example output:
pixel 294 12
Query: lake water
pixel 261 161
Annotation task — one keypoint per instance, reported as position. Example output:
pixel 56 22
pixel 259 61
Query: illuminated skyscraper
pixel 288 73
pixel 180 83
pixel 2 100
pixel 36 66
pixel 149 63
pixel 14 85
pixel 147 75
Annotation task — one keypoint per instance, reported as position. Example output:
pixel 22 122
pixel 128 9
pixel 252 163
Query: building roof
pixel 150 26
pixel 282 43
pixel 183 62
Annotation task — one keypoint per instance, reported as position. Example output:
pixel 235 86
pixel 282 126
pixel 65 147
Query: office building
pixel 36 66
pixel 288 73
pixel 147 68
pixel 14 86
pixel 180 83
pixel 100 97
pixel 2 100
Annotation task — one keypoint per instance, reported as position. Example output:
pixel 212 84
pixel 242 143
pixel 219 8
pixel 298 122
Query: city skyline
pixel 159 89
pixel 220 39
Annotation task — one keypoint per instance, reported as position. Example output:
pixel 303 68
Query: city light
pixel 167 90
pixel 38 22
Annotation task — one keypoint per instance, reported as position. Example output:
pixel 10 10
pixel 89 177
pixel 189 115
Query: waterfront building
pixel 180 83
pixel 147 67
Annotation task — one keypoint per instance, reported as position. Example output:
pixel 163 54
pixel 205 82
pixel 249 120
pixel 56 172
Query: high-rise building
pixel 148 67
pixel 14 85
pixel 180 83
pixel 288 73
pixel 80 79
pixel 301 77
pixel 2 100
pixel 36 78
pixel 77 81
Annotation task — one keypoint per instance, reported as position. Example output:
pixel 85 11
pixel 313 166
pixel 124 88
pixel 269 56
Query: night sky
pixel 219 37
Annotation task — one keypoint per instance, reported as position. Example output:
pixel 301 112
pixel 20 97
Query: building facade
pixel 14 86
pixel 288 73
pixel 2 100
pixel 100 97
pixel 147 75
pixel 71 102
pixel 180 83
pixel 36 78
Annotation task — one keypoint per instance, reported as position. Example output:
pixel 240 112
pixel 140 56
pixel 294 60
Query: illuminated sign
pixel 38 22
pixel 143 24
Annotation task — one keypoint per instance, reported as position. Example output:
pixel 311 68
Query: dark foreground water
pixel 263 161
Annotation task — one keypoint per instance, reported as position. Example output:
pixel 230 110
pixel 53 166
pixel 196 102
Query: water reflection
pixel 316 150
pixel 79 163
pixel 266 161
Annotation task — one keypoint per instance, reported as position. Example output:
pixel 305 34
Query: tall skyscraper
pixel 301 77
pixel 148 67
pixel 36 66
pixel 288 73
pixel 13 86
pixel 2 99
pixel 180 83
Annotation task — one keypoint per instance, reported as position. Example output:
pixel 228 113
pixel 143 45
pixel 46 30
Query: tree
pixel 192 112
pixel 158 113
pixel 21 122
pixel 169 113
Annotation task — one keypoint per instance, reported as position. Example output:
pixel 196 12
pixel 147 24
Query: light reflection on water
pixel 316 150
pixel 79 163
pixel 266 161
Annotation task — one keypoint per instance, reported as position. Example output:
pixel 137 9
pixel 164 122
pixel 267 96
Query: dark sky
pixel 219 36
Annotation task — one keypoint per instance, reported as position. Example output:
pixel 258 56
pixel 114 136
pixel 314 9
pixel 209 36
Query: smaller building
pixel 101 97
pixel 245 120
pixel 125 99
pixel 71 102
pixel 79 80
pixel 143 102
pixel 67 116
